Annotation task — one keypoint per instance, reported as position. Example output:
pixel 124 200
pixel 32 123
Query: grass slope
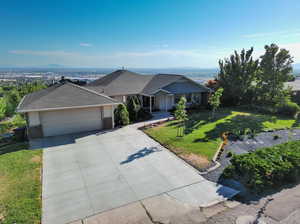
pixel 202 136
pixel 20 186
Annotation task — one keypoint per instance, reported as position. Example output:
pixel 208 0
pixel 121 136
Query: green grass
pixel 202 136
pixel 20 186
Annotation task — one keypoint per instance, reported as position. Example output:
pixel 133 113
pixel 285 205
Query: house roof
pixel 63 96
pixel 120 82
pixel 123 82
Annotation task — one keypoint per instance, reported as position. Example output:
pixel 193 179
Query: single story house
pixel 65 108
pixel 156 92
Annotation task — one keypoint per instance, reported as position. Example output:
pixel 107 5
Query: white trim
pixel 143 94
pixel 65 108
pixel 20 102
pixel 163 90
pixel 113 115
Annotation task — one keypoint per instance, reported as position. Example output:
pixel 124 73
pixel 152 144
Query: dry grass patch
pixel 36 159
pixel 195 160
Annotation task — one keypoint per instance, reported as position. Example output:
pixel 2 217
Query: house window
pixel 196 98
pixel 188 97
pixel 177 97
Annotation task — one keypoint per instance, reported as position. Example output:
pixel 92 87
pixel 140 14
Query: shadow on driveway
pixel 139 154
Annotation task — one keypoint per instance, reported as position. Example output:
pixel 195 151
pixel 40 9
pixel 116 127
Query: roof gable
pixel 61 96
pixel 121 82
pixel 184 85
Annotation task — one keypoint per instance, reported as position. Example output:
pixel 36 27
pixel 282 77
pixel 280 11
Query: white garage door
pixel 61 122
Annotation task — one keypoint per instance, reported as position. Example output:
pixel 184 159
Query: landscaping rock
pixel 213 210
pixel 166 210
pixel 133 213
pixel 261 140
pixel 247 219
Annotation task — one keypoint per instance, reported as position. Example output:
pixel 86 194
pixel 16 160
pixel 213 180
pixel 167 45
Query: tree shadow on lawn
pixel 238 124
pixel 196 120
pixel 13 147
pixel 296 124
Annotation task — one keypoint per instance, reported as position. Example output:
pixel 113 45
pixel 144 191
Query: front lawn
pixel 20 185
pixel 202 137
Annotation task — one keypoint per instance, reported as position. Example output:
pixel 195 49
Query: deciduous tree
pixel 237 76
pixel 181 115
pixel 214 101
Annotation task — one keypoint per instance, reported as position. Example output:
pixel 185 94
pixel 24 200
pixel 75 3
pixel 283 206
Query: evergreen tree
pixel 121 115
pixel 275 70
pixel 133 107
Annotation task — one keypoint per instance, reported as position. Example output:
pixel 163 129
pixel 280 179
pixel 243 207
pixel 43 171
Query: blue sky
pixel 143 33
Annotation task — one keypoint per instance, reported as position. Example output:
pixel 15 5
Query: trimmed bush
pixel 121 115
pixel 288 108
pixel 144 115
pixel 133 107
pixel 266 168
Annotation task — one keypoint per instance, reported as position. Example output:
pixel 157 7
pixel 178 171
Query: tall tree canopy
pixel 236 77
pixel 275 69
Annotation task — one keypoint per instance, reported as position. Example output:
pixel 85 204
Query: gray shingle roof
pixel 61 96
pixel 120 82
pixel 123 82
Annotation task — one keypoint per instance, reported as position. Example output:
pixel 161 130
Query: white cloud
pixel 85 44
pixel 42 53
pixel 282 34
pixel 294 49
pixel 151 58
pixel 170 53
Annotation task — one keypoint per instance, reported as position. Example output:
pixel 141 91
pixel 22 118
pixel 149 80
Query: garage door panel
pixel 71 121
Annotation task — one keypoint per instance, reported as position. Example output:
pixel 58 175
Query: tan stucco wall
pixel 35 118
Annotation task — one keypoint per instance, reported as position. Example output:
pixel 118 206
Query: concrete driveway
pixel 86 174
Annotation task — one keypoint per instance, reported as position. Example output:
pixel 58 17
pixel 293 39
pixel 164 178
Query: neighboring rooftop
pixel 61 96
pixel 295 85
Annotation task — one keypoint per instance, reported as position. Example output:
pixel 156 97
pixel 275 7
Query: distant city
pixel 53 73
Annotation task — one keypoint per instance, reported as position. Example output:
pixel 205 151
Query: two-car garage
pixel 67 121
pixel 66 108
pixel 62 122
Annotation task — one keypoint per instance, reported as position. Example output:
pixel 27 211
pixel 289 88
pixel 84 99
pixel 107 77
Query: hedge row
pixel 267 167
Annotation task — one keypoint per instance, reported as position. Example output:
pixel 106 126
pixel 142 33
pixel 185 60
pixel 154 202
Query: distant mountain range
pixel 194 73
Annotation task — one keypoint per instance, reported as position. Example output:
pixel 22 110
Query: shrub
pixel 133 107
pixel 18 121
pixel 288 108
pixel 144 115
pixel 121 115
pixel 266 168
pixel 229 154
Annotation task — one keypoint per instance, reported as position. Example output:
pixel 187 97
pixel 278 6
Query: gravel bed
pixel 261 140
